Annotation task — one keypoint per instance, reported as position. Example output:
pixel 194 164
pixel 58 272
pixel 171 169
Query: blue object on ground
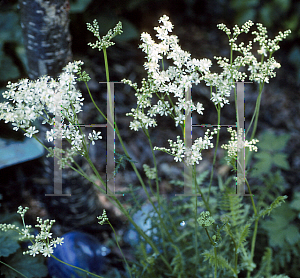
pixel 79 249
pixel 132 237
pixel 14 152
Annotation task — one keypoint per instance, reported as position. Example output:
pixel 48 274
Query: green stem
pixel 134 168
pixel 120 248
pixel 216 261
pixel 141 232
pixel 108 85
pixel 204 200
pixel 76 267
pixel 158 195
pixel 256 113
pixel 196 223
pixel 13 269
pixel 255 228
pixel 215 252
pixel 95 102
pixel 147 239
pixel 215 154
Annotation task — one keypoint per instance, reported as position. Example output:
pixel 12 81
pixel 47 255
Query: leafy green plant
pixel 12 261
pixel 212 237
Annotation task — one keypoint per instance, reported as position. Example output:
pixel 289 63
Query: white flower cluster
pixel 171 73
pixel 174 81
pixel 105 42
pixel 193 154
pixel 33 99
pixel 42 243
pixel 260 71
pixel 103 218
pixel 205 220
pixel 41 98
pixel 238 142
pixel 150 172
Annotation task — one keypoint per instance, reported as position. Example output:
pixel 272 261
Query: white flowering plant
pixel 171 72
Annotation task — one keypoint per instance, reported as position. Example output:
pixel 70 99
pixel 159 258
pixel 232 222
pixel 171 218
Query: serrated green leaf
pixel 8 243
pixel 295 204
pixel 263 165
pixel 280 160
pixel 268 141
pixel 292 234
pixel 278 228
pixel 27 265
pixel 277 238
pixel 281 141
pixel 244 232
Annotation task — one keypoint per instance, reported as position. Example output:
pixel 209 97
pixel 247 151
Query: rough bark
pixel 45 25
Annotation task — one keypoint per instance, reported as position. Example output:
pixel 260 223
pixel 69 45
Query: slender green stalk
pixel 76 267
pixel 256 113
pixel 255 228
pixel 120 248
pixel 215 252
pixel 196 223
pixel 215 154
pixel 157 190
pixel 204 200
pixel 216 261
pixel 118 204
pixel 13 269
pixel 141 232
pixel 108 85
pixel 90 94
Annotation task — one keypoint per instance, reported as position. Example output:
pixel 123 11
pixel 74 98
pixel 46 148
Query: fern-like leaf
pixel 221 261
pixel 276 203
pixel 177 262
pixel 233 205
pixel 244 232
pixel 266 264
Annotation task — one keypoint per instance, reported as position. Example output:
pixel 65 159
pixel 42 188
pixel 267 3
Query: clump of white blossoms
pixel 105 41
pixel 42 243
pixel 150 172
pixel 30 100
pixel 103 218
pixel 205 220
pixel 238 142
pixel 172 81
pixel 172 72
pixel 192 155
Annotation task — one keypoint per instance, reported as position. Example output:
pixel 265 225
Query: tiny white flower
pixel 30 131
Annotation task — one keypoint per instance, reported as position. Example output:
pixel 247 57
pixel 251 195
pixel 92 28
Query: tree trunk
pixel 47 39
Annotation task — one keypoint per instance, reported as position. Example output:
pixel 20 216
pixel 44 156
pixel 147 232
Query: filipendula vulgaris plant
pixel 173 82
pixel 177 253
